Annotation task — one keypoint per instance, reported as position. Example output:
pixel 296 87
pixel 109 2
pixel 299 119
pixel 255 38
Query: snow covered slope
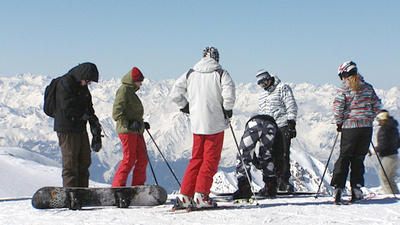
pixel 23 172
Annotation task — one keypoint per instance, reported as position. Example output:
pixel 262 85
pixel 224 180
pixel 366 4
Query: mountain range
pixel 23 124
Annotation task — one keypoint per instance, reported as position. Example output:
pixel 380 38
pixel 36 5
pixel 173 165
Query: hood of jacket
pixel 85 71
pixel 273 87
pixel 206 65
pixel 392 123
pixel 128 80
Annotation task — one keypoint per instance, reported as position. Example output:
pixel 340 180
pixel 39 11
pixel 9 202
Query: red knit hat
pixel 137 76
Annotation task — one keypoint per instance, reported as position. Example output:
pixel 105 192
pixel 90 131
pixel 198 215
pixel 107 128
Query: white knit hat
pixel 383 116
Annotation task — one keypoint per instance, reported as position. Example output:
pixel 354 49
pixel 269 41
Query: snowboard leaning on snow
pixel 58 197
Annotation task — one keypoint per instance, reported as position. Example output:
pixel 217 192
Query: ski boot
pixel 202 200
pixel 181 202
pixel 244 189
pixel 121 200
pixel 356 194
pixel 269 190
pixel 75 203
pixel 337 195
pixel 285 186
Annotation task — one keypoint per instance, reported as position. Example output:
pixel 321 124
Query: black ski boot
pixel 285 186
pixel 74 200
pixel 244 189
pixel 121 200
pixel 269 189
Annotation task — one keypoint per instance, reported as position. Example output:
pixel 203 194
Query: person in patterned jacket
pixel 261 131
pixel 278 102
pixel 355 107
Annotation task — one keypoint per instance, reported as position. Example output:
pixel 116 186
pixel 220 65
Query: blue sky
pixel 299 41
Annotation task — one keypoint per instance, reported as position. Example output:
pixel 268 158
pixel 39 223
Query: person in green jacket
pixel 128 114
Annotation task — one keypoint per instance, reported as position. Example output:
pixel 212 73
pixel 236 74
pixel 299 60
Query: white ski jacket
pixel 207 93
pixel 279 102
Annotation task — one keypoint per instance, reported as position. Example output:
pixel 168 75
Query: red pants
pixel 203 165
pixel 134 155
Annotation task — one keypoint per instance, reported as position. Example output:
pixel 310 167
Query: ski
pixel 15 199
pixel 279 193
pixel 349 202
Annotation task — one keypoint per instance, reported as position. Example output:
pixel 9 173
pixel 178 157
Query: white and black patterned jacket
pixel 279 102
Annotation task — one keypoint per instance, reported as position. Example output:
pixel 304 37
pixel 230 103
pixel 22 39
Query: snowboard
pixel 59 197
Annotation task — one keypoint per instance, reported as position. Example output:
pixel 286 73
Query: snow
pixel 22 172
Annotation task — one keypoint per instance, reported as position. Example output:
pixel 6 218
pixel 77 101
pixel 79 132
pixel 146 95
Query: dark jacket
pixel 127 106
pixel 388 138
pixel 73 100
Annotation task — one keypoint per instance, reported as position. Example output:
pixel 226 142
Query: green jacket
pixel 127 106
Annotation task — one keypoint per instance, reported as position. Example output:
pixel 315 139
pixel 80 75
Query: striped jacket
pixel 356 109
pixel 279 102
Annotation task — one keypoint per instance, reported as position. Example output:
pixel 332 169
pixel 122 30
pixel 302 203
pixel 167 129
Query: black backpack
pixel 49 106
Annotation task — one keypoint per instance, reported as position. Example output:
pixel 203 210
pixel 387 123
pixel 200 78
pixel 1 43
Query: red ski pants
pixel 203 165
pixel 134 155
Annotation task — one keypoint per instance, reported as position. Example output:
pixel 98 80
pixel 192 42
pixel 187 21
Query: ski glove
pixel 135 125
pixel 146 125
pixel 185 109
pixel 228 113
pixel 339 127
pixel 96 143
pixel 95 129
pixel 292 128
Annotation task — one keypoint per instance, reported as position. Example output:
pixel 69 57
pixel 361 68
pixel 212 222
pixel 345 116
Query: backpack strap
pixel 220 72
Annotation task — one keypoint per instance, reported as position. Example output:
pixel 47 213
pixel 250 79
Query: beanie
pixel 137 76
pixel 262 75
pixel 383 116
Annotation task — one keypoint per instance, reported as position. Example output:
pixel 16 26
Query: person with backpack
pixel 207 94
pixel 74 108
pixel 261 131
pixel 388 143
pixel 277 100
pixel 128 113
pixel 355 107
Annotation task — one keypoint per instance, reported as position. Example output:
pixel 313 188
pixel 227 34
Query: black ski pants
pixel 354 145
pixel 284 166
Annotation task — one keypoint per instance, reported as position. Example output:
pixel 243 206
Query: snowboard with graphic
pixel 60 197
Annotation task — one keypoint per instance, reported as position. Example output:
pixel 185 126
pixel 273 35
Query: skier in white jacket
pixel 207 94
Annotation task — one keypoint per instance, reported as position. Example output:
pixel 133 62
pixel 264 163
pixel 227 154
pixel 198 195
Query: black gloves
pixel 95 129
pixel 96 143
pixel 135 125
pixel 185 109
pixel 228 113
pixel 146 125
pixel 339 127
pixel 292 128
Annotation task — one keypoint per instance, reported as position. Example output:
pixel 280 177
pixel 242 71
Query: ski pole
pixel 241 158
pixel 151 167
pixel 383 169
pixel 326 166
pixel 163 157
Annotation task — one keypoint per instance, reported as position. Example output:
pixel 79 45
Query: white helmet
pixel 211 52
pixel 347 69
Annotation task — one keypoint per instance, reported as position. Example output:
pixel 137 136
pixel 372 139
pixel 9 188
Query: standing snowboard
pixel 60 197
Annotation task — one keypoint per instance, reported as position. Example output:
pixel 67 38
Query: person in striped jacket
pixel 278 102
pixel 355 107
